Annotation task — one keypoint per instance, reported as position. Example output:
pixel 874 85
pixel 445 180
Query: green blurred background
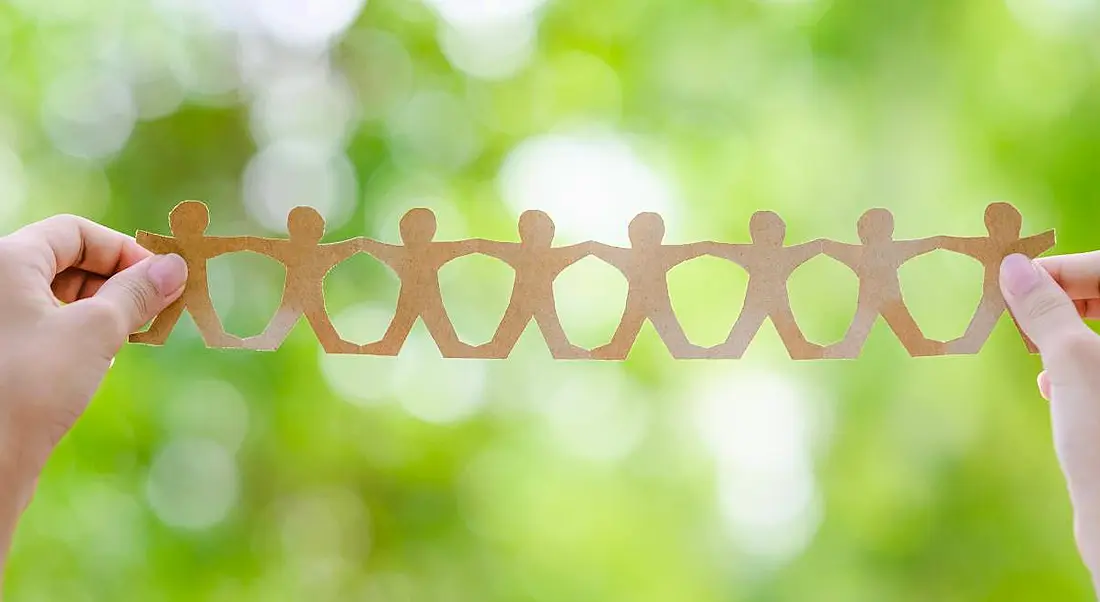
pixel 221 476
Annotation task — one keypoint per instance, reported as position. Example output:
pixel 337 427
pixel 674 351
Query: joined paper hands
pixel 537 264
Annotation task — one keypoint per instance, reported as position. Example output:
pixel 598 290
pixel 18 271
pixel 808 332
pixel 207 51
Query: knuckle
pixel 137 294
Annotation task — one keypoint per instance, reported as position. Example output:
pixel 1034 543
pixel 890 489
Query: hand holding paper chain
pixel 537 264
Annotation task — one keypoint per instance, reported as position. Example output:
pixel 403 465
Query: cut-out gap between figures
pixel 708 294
pixel 245 289
pixel 823 294
pixel 942 290
pixel 477 311
pixel 360 294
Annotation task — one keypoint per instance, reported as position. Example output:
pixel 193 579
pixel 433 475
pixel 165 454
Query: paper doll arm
pixel 731 252
pixel 386 253
pixel 1034 246
pixel 916 248
pixel 677 254
pixel 567 256
pixel 221 245
pixel 614 256
pixel 806 251
pixel 842 252
pixel 155 242
pixel 958 244
pixel 504 251
pixel 339 251
pixel 459 248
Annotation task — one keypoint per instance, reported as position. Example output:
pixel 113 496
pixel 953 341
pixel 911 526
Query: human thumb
pixel 132 298
pixel 1044 311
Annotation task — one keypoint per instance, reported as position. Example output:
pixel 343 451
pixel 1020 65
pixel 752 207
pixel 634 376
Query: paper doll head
pixel 647 230
pixel 536 228
pixel 1003 221
pixel 876 225
pixel 305 224
pixel 418 226
pixel 189 218
pixel 767 228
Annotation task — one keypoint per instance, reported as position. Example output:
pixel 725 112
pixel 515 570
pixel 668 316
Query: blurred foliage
pixel 221 476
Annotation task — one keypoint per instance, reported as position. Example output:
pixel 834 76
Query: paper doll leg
pixel 161 327
pixel 625 335
pixel 326 332
pixel 901 321
pixel 507 334
pixel 744 330
pixel 797 346
pixel 981 327
pixel 852 343
pixel 398 331
pixel 443 331
pixel 556 338
pixel 276 332
pixel 673 335
pixel 210 325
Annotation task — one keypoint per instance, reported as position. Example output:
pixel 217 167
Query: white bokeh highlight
pixel 287 174
pixel 313 104
pixel 89 114
pixel 427 387
pixel 193 484
pixel 763 430
pixel 477 13
pixel 306 24
pixel 1056 18
pixel 208 409
pixel 492 51
pixel 592 185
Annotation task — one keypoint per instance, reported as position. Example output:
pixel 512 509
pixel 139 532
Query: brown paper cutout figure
pixel 769 264
pixel 876 263
pixel 188 222
pixel 646 264
pixel 537 264
pixel 1004 224
pixel 307 263
pixel 417 264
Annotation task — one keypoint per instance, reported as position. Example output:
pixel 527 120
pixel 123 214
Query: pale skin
pixel 73 293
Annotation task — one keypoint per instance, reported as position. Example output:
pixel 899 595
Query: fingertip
pixel 168 274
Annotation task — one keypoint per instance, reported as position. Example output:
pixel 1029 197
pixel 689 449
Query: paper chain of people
pixel 645 265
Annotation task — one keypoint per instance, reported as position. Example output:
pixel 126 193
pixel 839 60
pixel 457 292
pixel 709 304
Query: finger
pixel 1042 308
pixel 130 299
pixel 1044 385
pixel 67 241
pixel 1078 275
pixel 74 285
pixel 1092 309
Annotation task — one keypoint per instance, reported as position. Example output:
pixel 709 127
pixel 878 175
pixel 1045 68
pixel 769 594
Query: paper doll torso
pixel 878 272
pixel 768 268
